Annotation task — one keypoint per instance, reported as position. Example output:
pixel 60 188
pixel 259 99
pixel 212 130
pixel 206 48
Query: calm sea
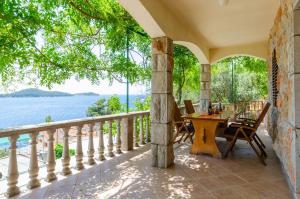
pixel 33 110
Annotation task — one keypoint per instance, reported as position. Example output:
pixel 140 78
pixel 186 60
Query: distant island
pixel 33 92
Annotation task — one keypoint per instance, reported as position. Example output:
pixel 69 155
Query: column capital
pixel 162 45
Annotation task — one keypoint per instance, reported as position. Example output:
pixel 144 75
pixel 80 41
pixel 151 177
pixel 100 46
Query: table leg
pixel 204 141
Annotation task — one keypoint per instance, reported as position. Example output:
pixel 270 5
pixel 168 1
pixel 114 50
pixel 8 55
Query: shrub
pixel 3 153
pixel 59 151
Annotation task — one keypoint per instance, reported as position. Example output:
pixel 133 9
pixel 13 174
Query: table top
pixel 223 116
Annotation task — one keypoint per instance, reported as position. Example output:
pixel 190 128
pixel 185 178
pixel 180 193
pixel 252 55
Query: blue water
pixel 17 111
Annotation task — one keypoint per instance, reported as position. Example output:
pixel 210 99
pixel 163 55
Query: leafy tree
pixel 186 74
pixel 47 42
pixel 114 105
pixel 97 109
pixel 142 105
pixel 48 119
pixel 249 80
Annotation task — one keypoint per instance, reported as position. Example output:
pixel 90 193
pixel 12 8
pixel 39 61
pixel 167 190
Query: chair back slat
pixel 262 115
pixel 189 108
pixel 177 114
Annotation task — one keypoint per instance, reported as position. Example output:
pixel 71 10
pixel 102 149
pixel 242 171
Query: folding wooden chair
pixel 182 127
pixel 189 108
pixel 246 130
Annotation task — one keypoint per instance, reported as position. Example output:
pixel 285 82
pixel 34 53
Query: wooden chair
pixel 182 127
pixel 189 108
pixel 246 130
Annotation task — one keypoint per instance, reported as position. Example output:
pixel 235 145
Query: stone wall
pixel 281 122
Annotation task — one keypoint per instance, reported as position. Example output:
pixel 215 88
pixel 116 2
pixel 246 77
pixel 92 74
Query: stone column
pixel 205 87
pixel 296 107
pixel 162 102
pixel 127 134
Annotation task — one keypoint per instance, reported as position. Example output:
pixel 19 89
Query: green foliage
pixel 97 109
pixel 47 42
pixel 142 105
pixel 114 105
pixel 105 107
pixel 48 119
pixel 186 74
pixel 3 153
pixel 59 151
pixel 249 80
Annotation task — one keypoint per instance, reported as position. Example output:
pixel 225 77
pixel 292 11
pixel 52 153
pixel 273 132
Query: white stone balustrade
pixel 135 134
pixel 91 150
pixel 118 147
pixel 79 153
pixel 33 165
pixel 95 124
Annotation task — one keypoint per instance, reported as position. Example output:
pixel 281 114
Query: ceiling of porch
pixel 210 30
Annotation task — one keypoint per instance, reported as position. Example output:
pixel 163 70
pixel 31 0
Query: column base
pixel 33 184
pixel 12 191
pixel 51 177
pixel 162 155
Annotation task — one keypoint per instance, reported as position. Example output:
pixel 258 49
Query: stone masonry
pixel 162 102
pixel 205 83
pixel 284 119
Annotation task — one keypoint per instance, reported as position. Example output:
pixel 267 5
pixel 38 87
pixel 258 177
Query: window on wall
pixel 274 78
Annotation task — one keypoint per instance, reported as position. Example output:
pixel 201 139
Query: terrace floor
pixel 130 175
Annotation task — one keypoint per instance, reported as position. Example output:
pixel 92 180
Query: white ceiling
pixel 240 22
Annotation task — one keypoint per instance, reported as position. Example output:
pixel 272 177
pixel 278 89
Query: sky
pixel 74 86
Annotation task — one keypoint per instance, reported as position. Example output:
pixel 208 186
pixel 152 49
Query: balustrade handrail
pixel 26 129
pixel 95 129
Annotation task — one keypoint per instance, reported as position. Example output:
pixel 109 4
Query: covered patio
pixel 131 175
pixel 212 30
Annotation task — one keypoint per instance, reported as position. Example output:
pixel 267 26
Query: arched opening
pixel 186 74
pixel 241 81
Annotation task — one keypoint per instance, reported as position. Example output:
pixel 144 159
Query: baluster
pixel 147 129
pixel 91 149
pixel 135 139
pixel 79 153
pixel 110 145
pixel 141 131
pixel 13 173
pixel 101 142
pixel 33 165
pixel 50 158
pixel 66 154
pixel 118 137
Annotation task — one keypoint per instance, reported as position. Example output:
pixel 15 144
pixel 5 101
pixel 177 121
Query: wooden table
pixel 205 132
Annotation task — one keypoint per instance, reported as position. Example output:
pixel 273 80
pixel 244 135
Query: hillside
pixel 33 92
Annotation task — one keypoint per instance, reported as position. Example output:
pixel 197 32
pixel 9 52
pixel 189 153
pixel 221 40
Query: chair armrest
pixel 242 126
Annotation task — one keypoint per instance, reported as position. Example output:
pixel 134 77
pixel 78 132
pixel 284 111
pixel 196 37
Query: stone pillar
pixel 205 87
pixel 127 134
pixel 162 102
pixel 296 108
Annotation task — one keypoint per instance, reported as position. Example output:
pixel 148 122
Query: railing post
pixel 13 173
pixel 51 157
pixel 79 153
pixel 147 129
pixel 91 149
pixel 33 165
pixel 142 142
pixel 135 138
pixel 118 137
pixel 110 145
pixel 127 134
pixel 66 154
pixel 101 142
